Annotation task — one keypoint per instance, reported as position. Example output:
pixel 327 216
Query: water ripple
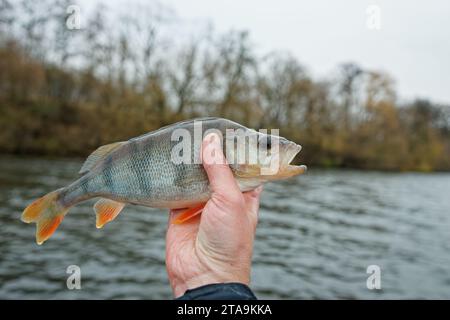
pixel 317 235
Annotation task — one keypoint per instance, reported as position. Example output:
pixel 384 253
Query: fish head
pixel 262 156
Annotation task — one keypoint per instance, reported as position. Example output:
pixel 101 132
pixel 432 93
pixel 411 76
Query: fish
pixel 163 169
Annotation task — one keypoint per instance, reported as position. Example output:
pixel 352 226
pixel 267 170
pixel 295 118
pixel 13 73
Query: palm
pixel 187 251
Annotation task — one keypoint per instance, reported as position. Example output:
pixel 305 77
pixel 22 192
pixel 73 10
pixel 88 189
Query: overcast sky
pixel 413 44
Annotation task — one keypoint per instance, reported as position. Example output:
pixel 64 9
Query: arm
pixel 215 247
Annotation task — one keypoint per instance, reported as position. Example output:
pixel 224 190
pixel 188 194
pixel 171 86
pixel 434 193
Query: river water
pixel 317 235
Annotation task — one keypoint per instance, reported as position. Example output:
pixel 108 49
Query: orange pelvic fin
pixel 106 211
pixel 189 213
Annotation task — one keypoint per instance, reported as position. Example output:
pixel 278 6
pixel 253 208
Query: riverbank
pixel 81 159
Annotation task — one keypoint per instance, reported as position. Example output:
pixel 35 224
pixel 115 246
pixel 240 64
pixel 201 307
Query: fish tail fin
pixel 47 213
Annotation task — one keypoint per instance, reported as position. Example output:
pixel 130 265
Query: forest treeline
pixel 65 92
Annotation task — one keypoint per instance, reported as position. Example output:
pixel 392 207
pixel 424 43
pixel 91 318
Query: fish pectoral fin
pixel 98 155
pixel 188 214
pixel 106 210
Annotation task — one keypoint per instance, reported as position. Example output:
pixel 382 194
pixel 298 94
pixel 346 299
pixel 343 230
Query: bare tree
pixel 185 78
pixel 348 83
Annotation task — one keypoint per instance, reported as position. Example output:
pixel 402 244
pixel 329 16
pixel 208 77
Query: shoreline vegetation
pixel 63 92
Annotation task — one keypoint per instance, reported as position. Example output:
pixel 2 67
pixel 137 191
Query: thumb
pixel 220 176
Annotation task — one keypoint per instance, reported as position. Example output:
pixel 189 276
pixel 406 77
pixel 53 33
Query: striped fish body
pixel 142 171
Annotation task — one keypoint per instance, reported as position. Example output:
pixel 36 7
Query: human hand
pixel 216 246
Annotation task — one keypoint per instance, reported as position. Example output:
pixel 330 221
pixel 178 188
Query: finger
pixel 187 228
pixel 220 176
pixel 252 201
pixel 177 234
pixel 173 213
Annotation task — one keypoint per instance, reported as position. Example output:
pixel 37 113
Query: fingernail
pixel 212 154
pixel 211 138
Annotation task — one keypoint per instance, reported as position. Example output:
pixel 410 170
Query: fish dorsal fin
pixel 98 155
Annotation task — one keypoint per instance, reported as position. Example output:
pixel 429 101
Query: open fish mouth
pixel 289 169
pixel 292 151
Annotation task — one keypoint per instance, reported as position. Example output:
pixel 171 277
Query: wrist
pixel 220 291
pixel 179 286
